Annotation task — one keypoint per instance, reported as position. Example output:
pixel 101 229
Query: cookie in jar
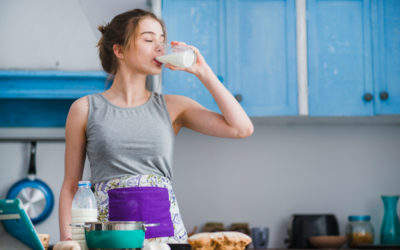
pixel 359 230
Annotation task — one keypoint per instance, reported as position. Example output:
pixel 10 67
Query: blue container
pixel 390 229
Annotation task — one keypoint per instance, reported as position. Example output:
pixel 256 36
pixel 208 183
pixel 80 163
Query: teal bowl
pixel 115 234
pixel 115 239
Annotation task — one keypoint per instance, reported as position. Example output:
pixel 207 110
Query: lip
pixel 157 62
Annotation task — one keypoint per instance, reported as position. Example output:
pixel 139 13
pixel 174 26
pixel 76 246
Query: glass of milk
pixel 179 56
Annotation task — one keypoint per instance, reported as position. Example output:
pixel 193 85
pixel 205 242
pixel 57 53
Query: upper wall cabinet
pixel 339 57
pixel 199 23
pixel 353 57
pixel 261 58
pixel 386 53
pixel 251 46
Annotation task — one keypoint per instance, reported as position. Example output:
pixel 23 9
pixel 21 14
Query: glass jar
pixel 359 230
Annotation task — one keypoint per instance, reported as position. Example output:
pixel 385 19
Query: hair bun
pixel 102 29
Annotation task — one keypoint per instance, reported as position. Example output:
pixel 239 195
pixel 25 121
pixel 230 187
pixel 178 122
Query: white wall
pixel 284 168
pixel 55 34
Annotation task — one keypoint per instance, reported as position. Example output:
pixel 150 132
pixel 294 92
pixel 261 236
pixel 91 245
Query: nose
pixel 160 47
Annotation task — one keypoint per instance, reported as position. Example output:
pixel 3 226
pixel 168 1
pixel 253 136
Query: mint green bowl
pixel 115 239
pixel 115 234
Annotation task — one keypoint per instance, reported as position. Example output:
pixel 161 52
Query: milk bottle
pixel 84 209
pixel 180 56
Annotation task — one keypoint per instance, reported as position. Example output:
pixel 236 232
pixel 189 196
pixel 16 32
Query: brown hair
pixel 120 31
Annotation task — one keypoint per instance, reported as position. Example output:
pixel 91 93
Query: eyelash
pixel 150 41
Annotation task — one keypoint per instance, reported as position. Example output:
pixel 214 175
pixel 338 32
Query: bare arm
pixel 233 123
pixel 75 151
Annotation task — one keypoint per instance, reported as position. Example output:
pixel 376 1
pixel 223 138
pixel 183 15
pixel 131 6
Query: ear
pixel 118 51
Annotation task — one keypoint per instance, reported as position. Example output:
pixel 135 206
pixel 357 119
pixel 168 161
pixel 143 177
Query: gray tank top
pixel 129 141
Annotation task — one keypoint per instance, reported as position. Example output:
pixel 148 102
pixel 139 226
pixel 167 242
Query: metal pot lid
pixel 117 225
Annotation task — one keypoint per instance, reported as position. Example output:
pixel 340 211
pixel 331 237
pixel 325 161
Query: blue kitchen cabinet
pixel 43 98
pixel 199 23
pixel 261 58
pixel 353 57
pixel 251 45
pixel 339 58
pixel 386 48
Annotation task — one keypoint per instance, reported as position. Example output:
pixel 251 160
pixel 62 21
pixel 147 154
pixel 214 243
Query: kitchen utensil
pixel 327 241
pixel 35 195
pixel 259 237
pixel 17 223
pixel 115 234
pixel 303 226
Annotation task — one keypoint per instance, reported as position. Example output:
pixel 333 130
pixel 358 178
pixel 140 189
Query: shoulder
pixel 180 103
pixel 76 121
pixel 78 112
pixel 179 100
pixel 80 105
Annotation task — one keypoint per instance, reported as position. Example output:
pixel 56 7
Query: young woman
pixel 128 131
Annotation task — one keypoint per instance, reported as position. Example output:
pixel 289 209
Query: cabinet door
pixel 197 23
pixel 386 33
pixel 339 57
pixel 261 55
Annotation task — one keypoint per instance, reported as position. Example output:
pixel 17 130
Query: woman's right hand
pixel 198 68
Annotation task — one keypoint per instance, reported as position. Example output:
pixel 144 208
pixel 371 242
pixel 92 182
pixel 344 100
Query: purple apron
pixel 148 204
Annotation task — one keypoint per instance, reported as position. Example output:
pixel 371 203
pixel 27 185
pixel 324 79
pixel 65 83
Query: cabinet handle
pixel 238 97
pixel 384 95
pixel 368 97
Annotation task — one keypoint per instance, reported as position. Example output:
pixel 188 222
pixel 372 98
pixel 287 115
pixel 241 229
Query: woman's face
pixel 148 44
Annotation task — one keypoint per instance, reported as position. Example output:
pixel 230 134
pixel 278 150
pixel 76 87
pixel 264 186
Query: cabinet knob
pixel 368 97
pixel 384 95
pixel 238 97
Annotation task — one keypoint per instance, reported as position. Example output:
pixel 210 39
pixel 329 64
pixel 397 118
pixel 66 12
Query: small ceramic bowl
pixel 327 241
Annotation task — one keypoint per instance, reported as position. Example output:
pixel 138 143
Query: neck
pixel 128 89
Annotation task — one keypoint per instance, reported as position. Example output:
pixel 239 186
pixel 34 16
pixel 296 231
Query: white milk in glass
pixel 182 57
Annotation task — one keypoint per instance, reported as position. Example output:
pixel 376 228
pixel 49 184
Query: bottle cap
pixel 84 184
pixel 359 218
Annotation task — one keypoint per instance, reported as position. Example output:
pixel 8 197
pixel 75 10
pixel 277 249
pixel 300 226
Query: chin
pixel 154 72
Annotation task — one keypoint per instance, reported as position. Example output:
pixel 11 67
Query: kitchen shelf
pixel 18 84
pixel 43 98
pixel 32 134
